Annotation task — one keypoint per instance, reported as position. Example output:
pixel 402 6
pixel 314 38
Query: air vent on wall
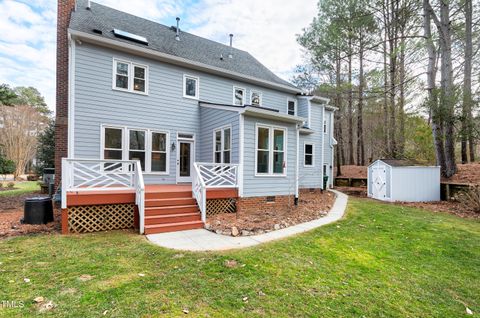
pixel 130 36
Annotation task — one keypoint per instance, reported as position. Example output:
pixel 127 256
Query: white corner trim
pixel 71 99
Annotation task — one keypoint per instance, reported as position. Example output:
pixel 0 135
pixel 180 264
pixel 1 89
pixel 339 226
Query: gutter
pixel 168 58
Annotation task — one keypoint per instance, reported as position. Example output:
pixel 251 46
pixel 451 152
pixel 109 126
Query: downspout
pixel 240 154
pixel 296 165
pixel 322 155
pixel 71 96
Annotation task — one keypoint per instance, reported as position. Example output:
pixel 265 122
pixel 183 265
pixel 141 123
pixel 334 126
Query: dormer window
pixel 256 98
pixel 130 77
pixel 190 86
pixel 292 107
pixel 238 96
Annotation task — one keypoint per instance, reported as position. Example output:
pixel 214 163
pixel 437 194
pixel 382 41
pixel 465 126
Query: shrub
pixel 6 166
pixel 1 185
pixel 10 185
pixel 470 199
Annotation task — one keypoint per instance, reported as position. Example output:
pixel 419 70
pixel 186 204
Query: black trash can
pixel 38 210
pixel 325 182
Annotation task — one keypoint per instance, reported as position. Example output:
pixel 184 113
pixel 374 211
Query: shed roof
pixel 102 20
pixel 402 163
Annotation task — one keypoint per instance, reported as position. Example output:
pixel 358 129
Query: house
pixel 158 126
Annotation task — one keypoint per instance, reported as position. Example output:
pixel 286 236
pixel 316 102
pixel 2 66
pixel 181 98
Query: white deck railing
pixel 212 175
pixel 82 175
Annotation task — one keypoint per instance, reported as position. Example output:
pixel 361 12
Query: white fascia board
pixel 268 114
pixel 168 58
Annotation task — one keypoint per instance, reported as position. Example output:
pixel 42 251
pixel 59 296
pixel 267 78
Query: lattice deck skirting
pixel 217 206
pixel 94 218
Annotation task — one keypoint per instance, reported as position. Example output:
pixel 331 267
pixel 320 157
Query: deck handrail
pixel 85 174
pixel 212 175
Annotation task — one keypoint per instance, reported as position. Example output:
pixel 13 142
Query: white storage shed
pixel 403 180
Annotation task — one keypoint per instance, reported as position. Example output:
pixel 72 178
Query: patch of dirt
pixel 352 171
pixel 11 211
pixel 451 207
pixel 311 206
pixel 360 192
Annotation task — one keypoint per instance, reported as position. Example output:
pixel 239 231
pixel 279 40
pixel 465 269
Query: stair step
pixel 169 202
pixel 167 195
pixel 177 209
pixel 171 227
pixel 172 218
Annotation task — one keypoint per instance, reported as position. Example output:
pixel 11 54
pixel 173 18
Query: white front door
pixel 379 182
pixel 185 159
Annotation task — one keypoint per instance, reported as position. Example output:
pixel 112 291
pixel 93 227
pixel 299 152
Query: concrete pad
pixel 203 240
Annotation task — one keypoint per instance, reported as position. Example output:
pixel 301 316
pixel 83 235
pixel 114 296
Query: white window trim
pixel 260 94
pixel 271 151
pixel 244 95
pixel 130 76
pixel 222 129
pixel 295 108
pixel 305 153
pixel 148 146
pixel 197 86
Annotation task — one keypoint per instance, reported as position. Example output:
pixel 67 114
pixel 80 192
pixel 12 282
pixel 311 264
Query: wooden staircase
pixel 171 209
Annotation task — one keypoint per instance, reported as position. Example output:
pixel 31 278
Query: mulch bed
pixel 311 206
pixel 11 211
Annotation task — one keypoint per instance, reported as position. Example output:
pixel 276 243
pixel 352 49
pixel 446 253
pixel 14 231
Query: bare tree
pixel 467 122
pixel 18 134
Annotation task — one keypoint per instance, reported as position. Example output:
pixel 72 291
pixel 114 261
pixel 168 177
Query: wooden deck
pixel 128 196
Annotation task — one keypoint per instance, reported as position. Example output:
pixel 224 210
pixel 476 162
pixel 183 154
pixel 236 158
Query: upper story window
pixel 190 86
pixel 292 107
pixel 147 146
pixel 130 77
pixel 255 98
pixel 223 145
pixel 238 96
pixel 308 155
pixel 270 151
pixel 325 126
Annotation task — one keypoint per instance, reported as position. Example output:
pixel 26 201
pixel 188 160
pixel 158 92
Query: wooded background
pixel 404 74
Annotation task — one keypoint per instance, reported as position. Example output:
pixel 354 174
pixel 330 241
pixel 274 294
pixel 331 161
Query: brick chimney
pixel 65 8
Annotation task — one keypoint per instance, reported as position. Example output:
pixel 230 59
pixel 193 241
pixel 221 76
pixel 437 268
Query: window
pixel 270 150
pixel 223 145
pixel 159 152
pixel 136 149
pixel 190 86
pixel 325 170
pixel 150 147
pixel 325 126
pixel 130 77
pixel 256 98
pixel 292 107
pixel 308 155
pixel 238 96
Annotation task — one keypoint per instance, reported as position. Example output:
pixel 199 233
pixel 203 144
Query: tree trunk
pixel 436 116
pixel 401 101
pixel 467 122
pixel 360 140
pixel 351 160
pixel 338 122
pixel 386 126
pixel 392 40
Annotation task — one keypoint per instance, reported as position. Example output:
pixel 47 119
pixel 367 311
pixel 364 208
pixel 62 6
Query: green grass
pixel 380 261
pixel 20 188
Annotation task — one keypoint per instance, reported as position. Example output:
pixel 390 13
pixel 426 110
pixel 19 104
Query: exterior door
pixel 379 182
pixel 185 159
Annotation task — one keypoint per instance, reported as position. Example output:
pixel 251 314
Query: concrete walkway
pixel 203 240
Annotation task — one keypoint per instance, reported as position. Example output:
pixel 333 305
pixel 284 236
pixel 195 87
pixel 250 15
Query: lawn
pixel 380 261
pixel 20 188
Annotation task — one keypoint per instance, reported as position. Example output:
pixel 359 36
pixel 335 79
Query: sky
pixel 265 28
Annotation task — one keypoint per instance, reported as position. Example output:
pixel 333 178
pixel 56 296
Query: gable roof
pixel 161 38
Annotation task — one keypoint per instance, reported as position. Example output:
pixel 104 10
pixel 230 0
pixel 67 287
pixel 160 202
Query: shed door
pixel 379 182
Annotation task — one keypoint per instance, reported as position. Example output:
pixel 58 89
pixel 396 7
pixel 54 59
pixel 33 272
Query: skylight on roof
pixel 130 36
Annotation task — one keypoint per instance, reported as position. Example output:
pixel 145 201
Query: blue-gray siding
pixel 267 185
pixel 211 120
pixel 327 146
pixel 311 177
